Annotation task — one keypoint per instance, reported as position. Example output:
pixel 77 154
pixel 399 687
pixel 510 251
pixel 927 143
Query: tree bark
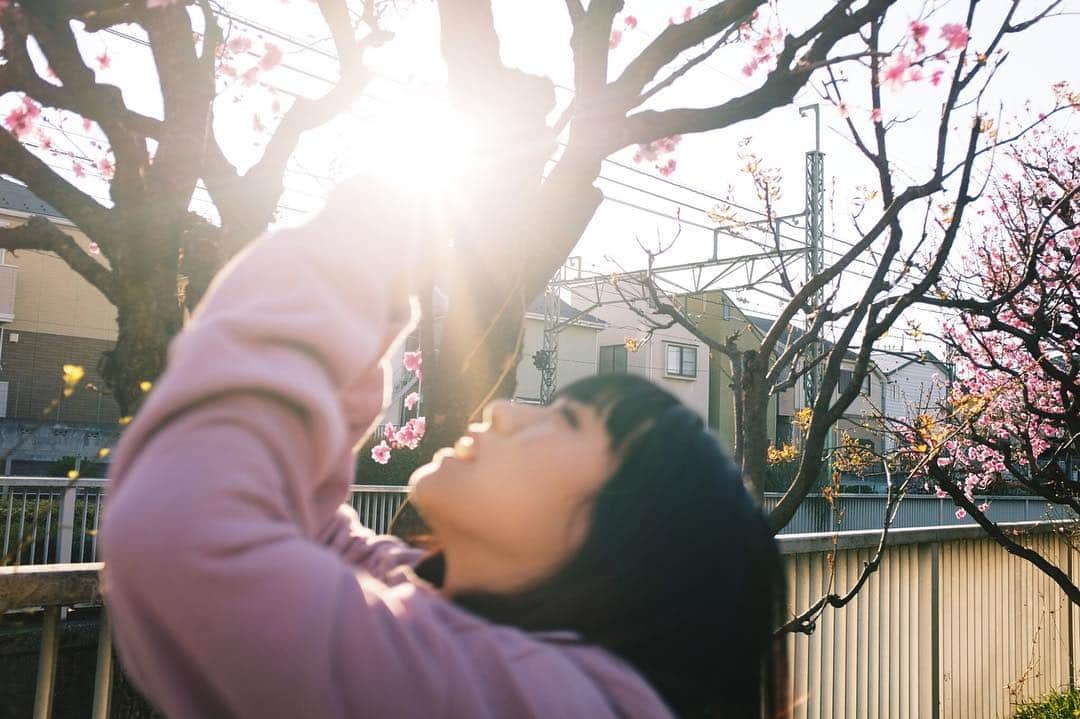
pixel 148 317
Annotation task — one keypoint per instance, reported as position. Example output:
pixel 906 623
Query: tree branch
pixel 40 234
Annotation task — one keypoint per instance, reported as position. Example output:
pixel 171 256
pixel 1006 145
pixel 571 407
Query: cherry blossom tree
pixel 909 232
pixel 837 333
pixel 1013 413
pixel 67 129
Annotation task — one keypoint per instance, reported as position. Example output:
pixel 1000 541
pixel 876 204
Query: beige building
pixel 578 348
pixel 49 317
pixel 671 357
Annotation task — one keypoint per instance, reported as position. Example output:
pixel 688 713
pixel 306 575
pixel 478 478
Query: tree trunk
pixel 754 424
pixel 148 317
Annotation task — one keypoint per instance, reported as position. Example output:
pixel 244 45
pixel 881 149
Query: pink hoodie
pixel 238 585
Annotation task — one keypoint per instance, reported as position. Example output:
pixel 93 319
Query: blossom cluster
pixel 408 435
pixel 1008 411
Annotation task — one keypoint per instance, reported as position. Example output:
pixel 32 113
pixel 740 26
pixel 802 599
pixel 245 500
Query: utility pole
pixel 815 261
pixel 815 231
pixel 547 359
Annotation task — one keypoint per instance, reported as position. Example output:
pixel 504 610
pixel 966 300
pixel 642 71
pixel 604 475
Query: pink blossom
pixel 411 400
pixel 412 360
pixel 961 513
pixel 20 121
pixel 381 452
pixel 78 169
pixel 105 166
pixel 844 110
pixel 936 75
pixel 272 57
pixel 918 31
pixel 238 44
pixel 104 61
pixel 93 248
pixel 894 73
pixel 955 35
pixel 875 115
pixel 984 506
pixel 616 38
pixel 630 21
pixel 667 168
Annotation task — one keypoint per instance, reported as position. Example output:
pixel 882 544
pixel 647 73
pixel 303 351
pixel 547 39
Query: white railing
pixel 46 520
pixel 49 520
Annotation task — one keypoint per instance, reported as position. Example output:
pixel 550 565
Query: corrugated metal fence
pixel 950 626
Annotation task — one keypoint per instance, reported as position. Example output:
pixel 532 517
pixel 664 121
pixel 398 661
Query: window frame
pixel 615 352
pixel 683 350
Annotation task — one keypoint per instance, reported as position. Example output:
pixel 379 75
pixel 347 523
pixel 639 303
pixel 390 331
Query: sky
pixel 383 128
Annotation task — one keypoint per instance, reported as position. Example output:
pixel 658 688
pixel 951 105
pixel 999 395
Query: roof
pixel 566 311
pixel 890 360
pixel 14 196
pixel 764 324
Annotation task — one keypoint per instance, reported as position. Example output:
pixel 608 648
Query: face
pixel 509 503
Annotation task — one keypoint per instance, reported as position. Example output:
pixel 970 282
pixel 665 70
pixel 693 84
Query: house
pixel 915 382
pixel 672 357
pixel 579 348
pixel 717 316
pixel 49 317
pixel 576 358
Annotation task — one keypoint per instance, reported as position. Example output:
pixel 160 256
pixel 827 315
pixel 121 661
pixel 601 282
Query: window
pixel 845 382
pixel 612 359
pixel 681 361
pixel 725 309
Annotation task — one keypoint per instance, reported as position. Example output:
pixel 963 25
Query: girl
pixel 598 557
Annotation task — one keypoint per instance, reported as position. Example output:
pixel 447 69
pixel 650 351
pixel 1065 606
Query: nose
pixel 505 417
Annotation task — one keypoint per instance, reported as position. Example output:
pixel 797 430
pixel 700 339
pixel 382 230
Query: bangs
pixel 629 404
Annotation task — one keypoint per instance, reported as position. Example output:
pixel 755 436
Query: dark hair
pixel 678 574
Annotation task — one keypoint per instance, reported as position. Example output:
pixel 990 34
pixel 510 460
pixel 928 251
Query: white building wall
pixel 649 360
pixel 577 357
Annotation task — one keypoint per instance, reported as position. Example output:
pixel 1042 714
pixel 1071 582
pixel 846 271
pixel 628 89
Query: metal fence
pixel 856 512
pixel 48 520
pixel 950 626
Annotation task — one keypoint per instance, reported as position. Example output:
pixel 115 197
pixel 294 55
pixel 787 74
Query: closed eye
pixel 569 415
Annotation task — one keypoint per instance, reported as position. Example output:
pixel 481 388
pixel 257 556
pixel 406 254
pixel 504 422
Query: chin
pixel 428 477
